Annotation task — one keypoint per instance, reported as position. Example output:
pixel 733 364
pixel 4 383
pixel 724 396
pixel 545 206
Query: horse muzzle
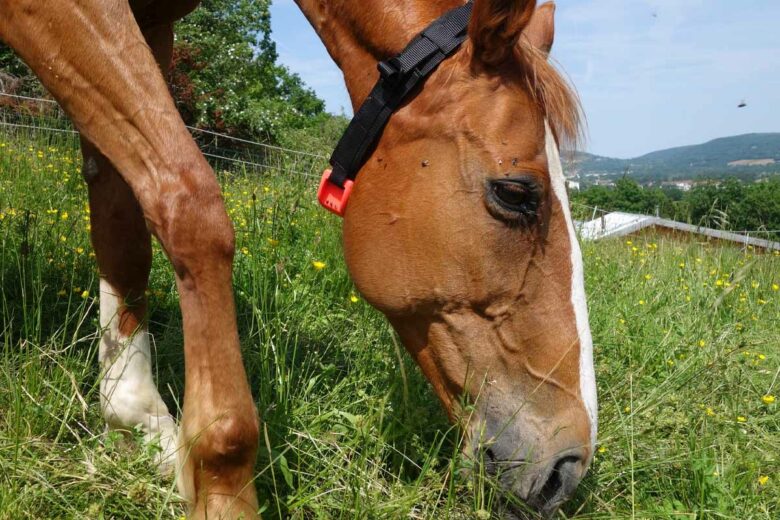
pixel 536 476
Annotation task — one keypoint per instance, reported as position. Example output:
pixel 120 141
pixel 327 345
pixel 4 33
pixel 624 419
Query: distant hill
pixel 747 156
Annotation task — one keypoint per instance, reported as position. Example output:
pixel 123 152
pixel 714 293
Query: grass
pixel 687 342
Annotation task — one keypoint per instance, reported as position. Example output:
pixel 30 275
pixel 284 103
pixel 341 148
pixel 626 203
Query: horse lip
pixel 502 468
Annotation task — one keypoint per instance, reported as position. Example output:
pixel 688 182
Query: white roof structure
pixel 620 224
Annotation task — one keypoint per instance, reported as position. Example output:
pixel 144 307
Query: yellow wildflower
pixel 768 399
pixel 319 266
pixel 763 480
pixel 775 287
pixel 755 285
pixel 602 449
pixel 741 419
pixel 710 412
pixel 273 242
pixel 354 299
pixel 648 276
pixel 62 292
pixel 85 295
pixel 702 343
pixel 641 302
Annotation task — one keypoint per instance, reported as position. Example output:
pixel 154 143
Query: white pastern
pixel 587 373
pixel 128 395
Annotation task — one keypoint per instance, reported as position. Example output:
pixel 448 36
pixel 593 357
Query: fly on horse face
pixel 457 229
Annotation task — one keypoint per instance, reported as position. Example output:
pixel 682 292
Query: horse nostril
pixel 562 481
pixel 490 461
pixel 490 455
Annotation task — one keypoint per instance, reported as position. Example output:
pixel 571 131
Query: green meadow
pixel 687 345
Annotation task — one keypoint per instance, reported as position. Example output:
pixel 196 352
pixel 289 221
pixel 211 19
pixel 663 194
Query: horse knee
pixel 195 229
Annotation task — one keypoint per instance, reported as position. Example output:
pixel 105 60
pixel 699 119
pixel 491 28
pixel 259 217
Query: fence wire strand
pixel 248 153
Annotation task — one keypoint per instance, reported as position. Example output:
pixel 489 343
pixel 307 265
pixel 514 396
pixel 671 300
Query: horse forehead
pixel 458 98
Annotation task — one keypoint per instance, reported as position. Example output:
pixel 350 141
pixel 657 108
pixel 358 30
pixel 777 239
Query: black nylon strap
pixel 398 77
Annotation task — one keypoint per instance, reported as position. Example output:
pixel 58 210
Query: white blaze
pixel 587 374
pixel 128 395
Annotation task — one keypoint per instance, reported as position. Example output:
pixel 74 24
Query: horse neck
pixel 359 33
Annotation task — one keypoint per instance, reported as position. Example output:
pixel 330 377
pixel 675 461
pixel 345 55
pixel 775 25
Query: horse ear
pixel 541 29
pixel 496 27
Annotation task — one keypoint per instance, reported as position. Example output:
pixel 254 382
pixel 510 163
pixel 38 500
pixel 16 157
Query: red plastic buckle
pixel 333 198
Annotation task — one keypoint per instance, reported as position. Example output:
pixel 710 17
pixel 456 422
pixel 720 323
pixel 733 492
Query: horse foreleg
pixel 93 58
pixel 122 244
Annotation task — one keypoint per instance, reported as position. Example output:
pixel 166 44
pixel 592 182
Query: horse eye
pixel 514 200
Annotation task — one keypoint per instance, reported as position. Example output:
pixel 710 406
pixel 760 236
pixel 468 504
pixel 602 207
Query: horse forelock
pixel 552 93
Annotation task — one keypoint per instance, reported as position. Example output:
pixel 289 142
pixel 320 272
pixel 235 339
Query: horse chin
pixel 508 511
pixel 515 504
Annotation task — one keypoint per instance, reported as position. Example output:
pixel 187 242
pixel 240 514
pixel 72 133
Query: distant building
pixel 573 185
pixel 681 185
pixel 620 224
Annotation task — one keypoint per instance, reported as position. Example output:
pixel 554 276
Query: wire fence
pixel 44 118
pixel 37 117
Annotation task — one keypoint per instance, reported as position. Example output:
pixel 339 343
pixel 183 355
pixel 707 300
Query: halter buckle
pixel 331 196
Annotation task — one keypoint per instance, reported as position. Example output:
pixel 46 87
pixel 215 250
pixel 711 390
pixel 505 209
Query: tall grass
pixel 687 347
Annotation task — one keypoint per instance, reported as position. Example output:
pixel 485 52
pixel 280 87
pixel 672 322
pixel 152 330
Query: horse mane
pixel 553 94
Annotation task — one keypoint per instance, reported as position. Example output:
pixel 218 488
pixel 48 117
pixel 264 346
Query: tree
pixel 225 74
pixel 731 204
pixel 762 206
pixel 10 62
pixel 15 76
pixel 226 77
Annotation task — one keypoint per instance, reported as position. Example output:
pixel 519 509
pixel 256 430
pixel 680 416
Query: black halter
pixel 398 78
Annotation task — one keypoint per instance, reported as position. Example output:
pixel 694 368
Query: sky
pixel 652 74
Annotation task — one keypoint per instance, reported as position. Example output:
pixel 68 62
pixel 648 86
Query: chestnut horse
pixel 458 230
